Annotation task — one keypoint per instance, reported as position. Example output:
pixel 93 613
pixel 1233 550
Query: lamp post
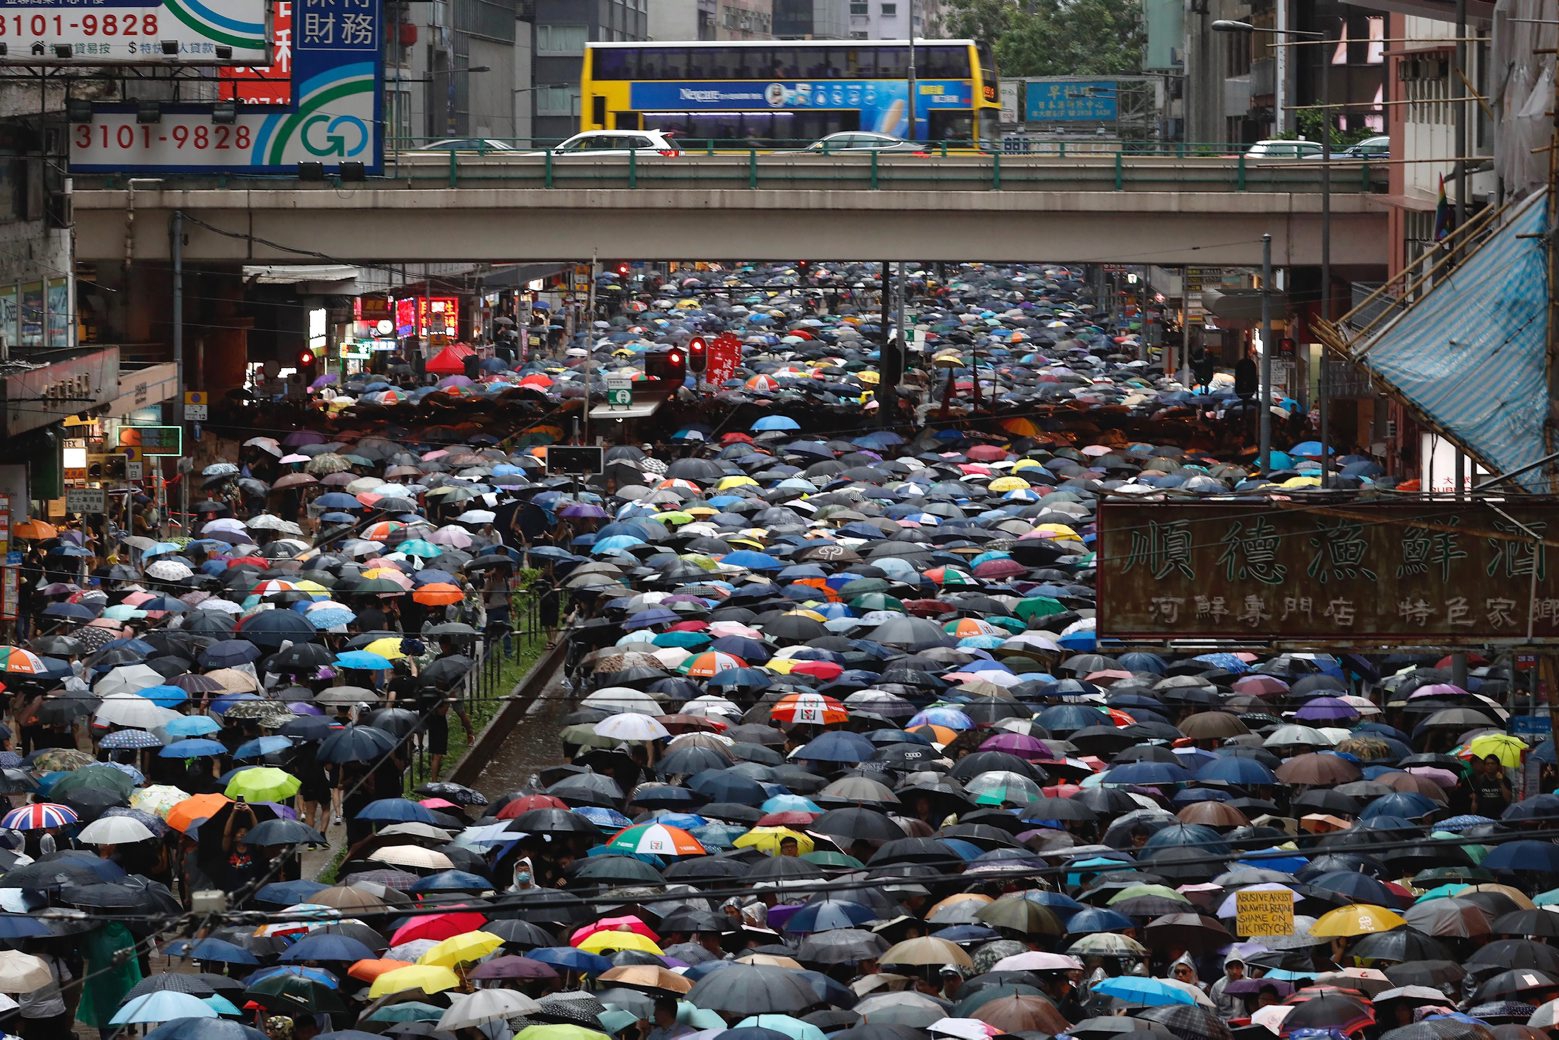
pixel 1323 381
pixel 911 78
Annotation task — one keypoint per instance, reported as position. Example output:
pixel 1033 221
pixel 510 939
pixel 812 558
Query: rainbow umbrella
pixel 656 839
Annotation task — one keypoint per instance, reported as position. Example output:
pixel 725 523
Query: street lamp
pixel 1323 383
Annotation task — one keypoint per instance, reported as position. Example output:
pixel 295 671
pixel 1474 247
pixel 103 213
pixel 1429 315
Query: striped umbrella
pixel 40 816
pixel 709 663
pixel 815 708
pixel 272 587
pixel 656 839
pixel 17 661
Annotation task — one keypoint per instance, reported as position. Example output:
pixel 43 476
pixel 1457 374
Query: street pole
pixel 176 230
pixel 1264 396
pixel 590 345
pixel 911 135
pixel 1323 383
pixel 1185 321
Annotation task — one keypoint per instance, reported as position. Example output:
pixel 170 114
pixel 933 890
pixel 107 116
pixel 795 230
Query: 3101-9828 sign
pixel 136 32
pixel 332 117
pixel 1340 574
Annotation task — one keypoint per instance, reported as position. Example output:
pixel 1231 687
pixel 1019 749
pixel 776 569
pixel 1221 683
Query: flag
pixel 1444 220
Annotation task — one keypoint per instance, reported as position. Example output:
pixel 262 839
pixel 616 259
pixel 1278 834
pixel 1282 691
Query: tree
pixel 1055 37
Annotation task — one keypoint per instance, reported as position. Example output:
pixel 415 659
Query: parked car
pixel 609 143
pixel 847 142
pixel 1369 148
pixel 1282 149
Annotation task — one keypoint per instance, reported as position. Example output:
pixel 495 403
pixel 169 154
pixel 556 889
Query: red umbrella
pixel 528 802
pixel 438 927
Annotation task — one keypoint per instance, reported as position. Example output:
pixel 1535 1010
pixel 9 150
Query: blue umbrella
pixel 259 747
pixel 288 893
pixel 830 914
pixel 362 660
pixel 1407 804
pixel 1146 774
pixel 1098 919
pixel 164 696
pixel 193 748
pixel 1134 989
pixel 396 810
pixel 1523 857
pixel 451 881
pixel 205 1029
pixel 1244 772
pixel 222 952
pixel 770 423
pixel 130 740
pixel 836 746
pixel 192 726
pixel 571 959
pixel 327 947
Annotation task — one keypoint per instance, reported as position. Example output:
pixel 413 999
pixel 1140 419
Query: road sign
pixel 725 353
pixel 86 500
pixel 567 458
pixel 619 392
pixel 153 440
pixel 135 32
pixel 1531 728
pixel 1264 913
pixel 135 465
pixel 1338 575
pixel 196 406
pixel 332 120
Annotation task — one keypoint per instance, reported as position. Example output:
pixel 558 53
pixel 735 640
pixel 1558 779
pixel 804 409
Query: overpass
pixel 514 208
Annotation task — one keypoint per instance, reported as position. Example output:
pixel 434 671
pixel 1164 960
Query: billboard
pixel 333 117
pixel 1061 100
pixel 135 32
pixel 265 84
pixel 1338 575
pixel 883 104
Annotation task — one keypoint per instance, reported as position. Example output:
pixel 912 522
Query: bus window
pixel 953 127
pixel 892 62
pixel 835 61
pixel 786 64
pixel 753 63
pixel 675 65
pixel 680 123
pixel 615 64
pixel 712 63
pixel 861 62
pixel 628 121
pixel 942 62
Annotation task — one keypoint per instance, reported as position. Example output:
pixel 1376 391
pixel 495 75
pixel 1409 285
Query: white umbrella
pixel 133 712
pixel 168 570
pixel 487 1005
pixel 631 726
pixel 621 699
pixel 269 445
pixel 412 856
pixel 127 678
pixel 22 972
pixel 115 830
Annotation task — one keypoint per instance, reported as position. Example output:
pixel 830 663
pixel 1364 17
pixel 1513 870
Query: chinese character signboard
pixel 725 353
pixel 265 84
pixel 1071 100
pixel 134 32
pixel 1345 574
pixel 332 117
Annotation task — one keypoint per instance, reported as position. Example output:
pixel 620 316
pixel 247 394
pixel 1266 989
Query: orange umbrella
pixel 194 809
pixel 368 970
pixel 34 530
pixel 438 594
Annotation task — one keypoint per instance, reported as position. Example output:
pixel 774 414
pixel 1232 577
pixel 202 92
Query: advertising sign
pixel 265 84
pixel 153 440
pixel 725 353
pixel 5 523
pixel 883 103
pixel 32 314
pixel 10 314
pixel 133 32
pixel 10 592
pixel 57 320
pixel 1071 100
pixel 333 116
pixel 1344 575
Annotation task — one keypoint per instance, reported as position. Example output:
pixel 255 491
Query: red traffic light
pixel 306 359
pixel 697 354
pixel 622 269
pixel 674 358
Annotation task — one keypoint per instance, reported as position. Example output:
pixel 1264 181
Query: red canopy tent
pixel 451 360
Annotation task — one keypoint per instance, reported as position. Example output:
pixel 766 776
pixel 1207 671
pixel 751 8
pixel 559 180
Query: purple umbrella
pixel 1021 744
pixel 587 510
pixel 323 381
pixel 1326 709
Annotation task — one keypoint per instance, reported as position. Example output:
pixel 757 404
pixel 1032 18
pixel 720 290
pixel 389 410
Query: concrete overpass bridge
pixel 514 208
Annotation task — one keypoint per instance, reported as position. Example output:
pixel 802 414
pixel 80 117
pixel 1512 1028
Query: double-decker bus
pixel 777 93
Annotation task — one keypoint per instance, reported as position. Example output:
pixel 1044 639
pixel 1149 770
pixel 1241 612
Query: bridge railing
pixel 943 169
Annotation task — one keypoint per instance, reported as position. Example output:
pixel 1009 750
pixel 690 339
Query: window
pixel 616 64
pixel 557 100
pixel 859 9
pixel 889 10
pixel 561 39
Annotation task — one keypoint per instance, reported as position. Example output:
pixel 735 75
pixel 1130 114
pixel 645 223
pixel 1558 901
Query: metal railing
pixel 945 169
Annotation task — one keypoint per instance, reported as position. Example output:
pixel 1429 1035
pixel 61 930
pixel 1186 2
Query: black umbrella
pixel 752 989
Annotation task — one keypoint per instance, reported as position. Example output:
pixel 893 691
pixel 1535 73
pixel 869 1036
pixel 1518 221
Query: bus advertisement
pixel 790 93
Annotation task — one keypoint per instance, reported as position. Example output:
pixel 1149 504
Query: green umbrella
pixel 1038 606
pixel 878 601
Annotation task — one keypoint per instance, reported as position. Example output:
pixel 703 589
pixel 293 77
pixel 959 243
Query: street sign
pixel 135 465
pixel 153 440
pixel 619 392
pixel 725 353
pixel 568 458
pixel 1531 728
pixel 1343 574
pixel 1264 913
pixel 10 593
pixel 196 406
pixel 86 500
pixel 135 32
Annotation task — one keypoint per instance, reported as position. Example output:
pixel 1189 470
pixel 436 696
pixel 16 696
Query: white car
pixel 851 142
pixel 480 145
pixel 1281 149
pixel 609 143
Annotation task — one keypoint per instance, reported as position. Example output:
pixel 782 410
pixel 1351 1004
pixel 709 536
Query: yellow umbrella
pixel 458 949
pixel 596 942
pixel 869 377
pixel 1059 532
pixel 313 588
pixel 767 839
pixel 1358 919
pixel 701 511
pixel 1023 464
pixel 1008 484
pixel 727 483
pixel 429 978
pixel 1504 747
pixel 388 648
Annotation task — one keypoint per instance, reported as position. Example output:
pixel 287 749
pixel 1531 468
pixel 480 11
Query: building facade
pixel 811 19
pixel 561 30
pixel 711 20
pixel 893 19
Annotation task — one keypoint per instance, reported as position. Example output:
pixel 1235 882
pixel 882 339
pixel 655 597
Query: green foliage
pixel 1054 37
pixel 1311 122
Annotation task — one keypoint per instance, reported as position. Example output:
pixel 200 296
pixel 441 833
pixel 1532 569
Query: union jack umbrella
pixel 42 816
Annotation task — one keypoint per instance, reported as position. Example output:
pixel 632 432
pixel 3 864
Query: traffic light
pixel 622 269
pixel 669 365
pixel 306 363
pixel 803 268
pixel 697 355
